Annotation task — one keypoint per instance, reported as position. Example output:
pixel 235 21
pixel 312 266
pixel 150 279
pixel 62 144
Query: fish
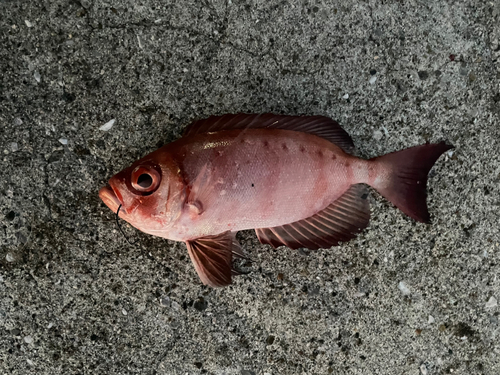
pixel 293 179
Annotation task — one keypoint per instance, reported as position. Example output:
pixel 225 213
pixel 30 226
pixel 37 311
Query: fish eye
pixel 145 179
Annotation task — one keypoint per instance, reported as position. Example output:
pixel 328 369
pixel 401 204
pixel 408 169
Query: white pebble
pixel 50 325
pixel 9 257
pixel 139 41
pixel 63 141
pixel 423 369
pixel 28 339
pixel 30 362
pixel 492 302
pixel 37 76
pixel 18 121
pixel 372 80
pixel 403 288
pixel 449 154
pixel 377 134
pixel 176 306
pixel 431 319
pixel 107 126
pixel 28 23
pixel 14 146
pixel 346 96
pixel 124 312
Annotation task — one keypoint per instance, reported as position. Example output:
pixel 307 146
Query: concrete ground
pixel 402 298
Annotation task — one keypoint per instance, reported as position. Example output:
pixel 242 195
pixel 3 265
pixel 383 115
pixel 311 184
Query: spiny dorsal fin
pixel 320 126
pixel 212 257
pixel 342 220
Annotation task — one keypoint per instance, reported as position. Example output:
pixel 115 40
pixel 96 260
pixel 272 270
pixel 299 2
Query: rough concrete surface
pixel 402 298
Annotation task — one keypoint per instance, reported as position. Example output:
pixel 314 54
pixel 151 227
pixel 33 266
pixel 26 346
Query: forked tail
pixel 406 178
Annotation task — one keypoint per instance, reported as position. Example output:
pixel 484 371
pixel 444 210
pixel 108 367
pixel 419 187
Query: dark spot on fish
pixel 302 149
pixel 266 144
pixel 242 141
pixel 347 164
pixel 284 147
pixel 253 185
pixel 320 153
pixel 334 157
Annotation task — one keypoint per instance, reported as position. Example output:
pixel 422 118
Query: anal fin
pixel 212 257
pixel 341 221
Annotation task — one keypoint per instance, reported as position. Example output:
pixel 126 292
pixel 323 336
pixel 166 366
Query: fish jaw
pixel 110 199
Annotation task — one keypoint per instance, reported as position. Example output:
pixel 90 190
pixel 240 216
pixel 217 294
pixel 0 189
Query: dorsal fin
pixel 340 221
pixel 320 126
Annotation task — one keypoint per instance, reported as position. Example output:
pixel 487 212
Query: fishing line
pixel 119 227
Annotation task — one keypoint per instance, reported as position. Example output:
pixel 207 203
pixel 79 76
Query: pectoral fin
pixel 212 258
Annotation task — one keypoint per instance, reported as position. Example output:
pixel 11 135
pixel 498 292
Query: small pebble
pixel 175 306
pixel 431 319
pixel 423 369
pixel 124 312
pixel 18 121
pixel 492 302
pixel 50 325
pixel 28 23
pixel 165 301
pixel 63 141
pixel 377 135
pixel 37 76
pixel 372 80
pixel 346 96
pixel 107 126
pixel 403 288
pixel 139 41
pixel 28 339
pixel 9 257
pixel 14 146
pixel 30 362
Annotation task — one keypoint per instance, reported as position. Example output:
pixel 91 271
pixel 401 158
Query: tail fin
pixel 406 184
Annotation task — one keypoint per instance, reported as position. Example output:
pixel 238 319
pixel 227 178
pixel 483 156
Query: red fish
pixel 291 178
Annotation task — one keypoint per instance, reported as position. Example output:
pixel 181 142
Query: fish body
pixel 290 178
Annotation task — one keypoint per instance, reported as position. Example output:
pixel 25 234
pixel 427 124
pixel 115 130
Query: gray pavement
pixel 402 298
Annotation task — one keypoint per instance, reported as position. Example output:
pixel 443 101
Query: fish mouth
pixel 110 199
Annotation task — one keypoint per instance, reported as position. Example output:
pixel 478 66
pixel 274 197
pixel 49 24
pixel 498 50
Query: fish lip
pixel 111 199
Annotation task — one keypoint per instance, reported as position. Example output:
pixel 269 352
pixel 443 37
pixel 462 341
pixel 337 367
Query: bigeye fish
pixel 291 178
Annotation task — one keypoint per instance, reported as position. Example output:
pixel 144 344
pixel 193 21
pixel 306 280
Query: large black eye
pixel 145 180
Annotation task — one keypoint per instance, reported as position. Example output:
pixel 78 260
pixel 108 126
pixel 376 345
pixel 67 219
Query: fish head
pixel 151 193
